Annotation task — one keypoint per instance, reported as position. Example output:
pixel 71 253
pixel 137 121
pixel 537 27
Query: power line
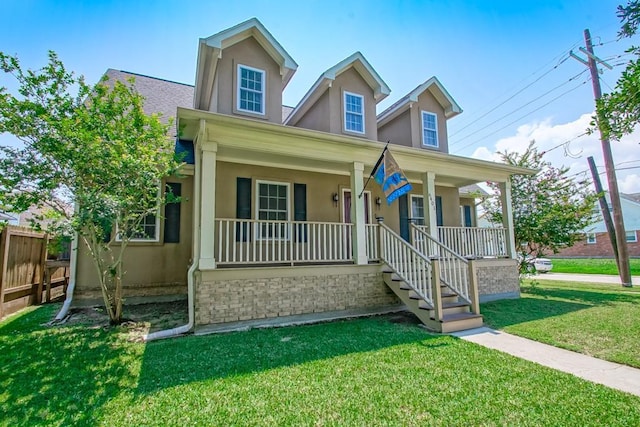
pixel 526 115
pixel 523 89
pixel 519 108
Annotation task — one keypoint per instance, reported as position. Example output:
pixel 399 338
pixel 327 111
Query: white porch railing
pixel 372 242
pixel 473 241
pixel 247 241
pixel 454 269
pixel 413 267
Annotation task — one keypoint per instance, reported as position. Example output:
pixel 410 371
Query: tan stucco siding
pixel 426 102
pixel 351 81
pixel 247 52
pixel 397 131
pixel 317 117
pixel 148 264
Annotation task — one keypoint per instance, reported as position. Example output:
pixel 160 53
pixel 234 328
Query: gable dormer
pixel 343 100
pixel 419 119
pixel 243 71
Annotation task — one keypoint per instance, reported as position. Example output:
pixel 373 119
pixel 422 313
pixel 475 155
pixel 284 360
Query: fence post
pixel 43 266
pixel 473 287
pixel 435 289
pixel 4 255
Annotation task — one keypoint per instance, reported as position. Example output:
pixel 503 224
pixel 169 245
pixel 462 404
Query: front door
pixel 346 206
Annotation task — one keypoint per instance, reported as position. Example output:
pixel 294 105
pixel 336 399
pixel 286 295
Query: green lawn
pixel 592 266
pixel 594 319
pixel 373 371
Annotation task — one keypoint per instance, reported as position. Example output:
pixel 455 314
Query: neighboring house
pixel 595 242
pixel 271 223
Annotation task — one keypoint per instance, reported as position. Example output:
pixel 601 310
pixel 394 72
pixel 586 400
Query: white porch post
pixel 507 218
pixel 208 205
pixel 359 236
pixel 429 203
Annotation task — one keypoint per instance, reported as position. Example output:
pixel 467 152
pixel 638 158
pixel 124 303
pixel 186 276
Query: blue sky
pixel 482 51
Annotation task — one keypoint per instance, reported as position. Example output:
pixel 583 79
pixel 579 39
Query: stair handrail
pixel 413 267
pixel 454 268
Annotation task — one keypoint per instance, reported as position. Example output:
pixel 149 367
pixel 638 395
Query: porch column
pixel 429 203
pixel 208 205
pixel 358 236
pixel 507 218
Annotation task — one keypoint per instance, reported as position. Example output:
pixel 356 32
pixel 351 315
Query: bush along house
pixel 275 220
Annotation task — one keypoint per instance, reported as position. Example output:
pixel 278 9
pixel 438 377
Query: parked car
pixel 542 265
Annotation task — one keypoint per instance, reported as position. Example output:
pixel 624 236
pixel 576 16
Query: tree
pixel 92 146
pixel 618 112
pixel 549 208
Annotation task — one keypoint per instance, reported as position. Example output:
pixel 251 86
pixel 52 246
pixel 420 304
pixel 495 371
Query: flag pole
pixel 375 168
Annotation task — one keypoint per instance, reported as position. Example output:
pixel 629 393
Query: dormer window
pixel 353 112
pixel 251 90
pixel 429 129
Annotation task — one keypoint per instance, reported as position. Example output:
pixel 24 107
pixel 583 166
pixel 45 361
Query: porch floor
pixel 300 319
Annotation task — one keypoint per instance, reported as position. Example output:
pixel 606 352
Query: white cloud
pixel 550 137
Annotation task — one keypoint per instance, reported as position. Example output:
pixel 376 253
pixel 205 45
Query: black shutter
pixel 243 207
pixel 106 229
pixel 300 211
pixel 172 215
pixel 403 207
pixel 439 220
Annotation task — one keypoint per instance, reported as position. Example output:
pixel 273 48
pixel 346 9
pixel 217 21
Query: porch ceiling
pixel 247 141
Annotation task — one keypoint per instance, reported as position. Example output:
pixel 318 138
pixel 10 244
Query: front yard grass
pixel 371 371
pixel 592 266
pixel 600 320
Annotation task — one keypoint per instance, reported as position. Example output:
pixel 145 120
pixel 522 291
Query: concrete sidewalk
pixel 599 371
pixel 589 278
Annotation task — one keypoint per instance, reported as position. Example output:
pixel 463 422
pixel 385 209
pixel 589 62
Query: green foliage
pixel 549 208
pixel 618 112
pixel 92 146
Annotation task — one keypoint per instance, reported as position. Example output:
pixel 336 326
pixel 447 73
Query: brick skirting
pixel 227 295
pixel 497 279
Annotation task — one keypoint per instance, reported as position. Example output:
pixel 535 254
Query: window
pixel 591 238
pixel 429 129
pixel 272 206
pixel 147 231
pixel 632 237
pixel 417 209
pixel 250 89
pixel 353 112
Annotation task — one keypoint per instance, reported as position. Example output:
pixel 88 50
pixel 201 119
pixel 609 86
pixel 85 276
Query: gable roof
pixel 356 61
pixel 210 49
pixel 433 85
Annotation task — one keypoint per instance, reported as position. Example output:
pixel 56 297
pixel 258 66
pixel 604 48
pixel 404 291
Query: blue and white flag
pixel 391 178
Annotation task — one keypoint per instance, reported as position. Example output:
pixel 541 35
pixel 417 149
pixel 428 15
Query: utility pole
pixel 604 207
pixel 620 235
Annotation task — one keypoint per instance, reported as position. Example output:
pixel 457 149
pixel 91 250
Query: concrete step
pixel 460 322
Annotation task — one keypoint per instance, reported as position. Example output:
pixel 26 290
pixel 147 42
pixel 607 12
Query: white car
pixel 542 265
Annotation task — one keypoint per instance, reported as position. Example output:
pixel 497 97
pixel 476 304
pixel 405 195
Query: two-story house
pixel 275 219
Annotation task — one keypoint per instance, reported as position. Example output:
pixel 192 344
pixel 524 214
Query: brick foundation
pixel 227 295
pixel 497 279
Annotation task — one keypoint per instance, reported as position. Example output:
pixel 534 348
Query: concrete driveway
pixel 590 278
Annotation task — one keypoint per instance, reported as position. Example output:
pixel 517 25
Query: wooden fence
pixel 25 273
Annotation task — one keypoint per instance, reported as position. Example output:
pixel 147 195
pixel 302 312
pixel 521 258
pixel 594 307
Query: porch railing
pixel 454 269
pixel 473 241
pixel 413 267
pixel 247 241
pixel 372 242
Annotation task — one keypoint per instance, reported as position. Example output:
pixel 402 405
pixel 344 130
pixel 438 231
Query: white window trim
pixel 588 235
pixel 416 196
pixel 367 207
pixel 344 114
pixel 257 234
pixel 263 73
pixel 435 119
pixel 635 236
